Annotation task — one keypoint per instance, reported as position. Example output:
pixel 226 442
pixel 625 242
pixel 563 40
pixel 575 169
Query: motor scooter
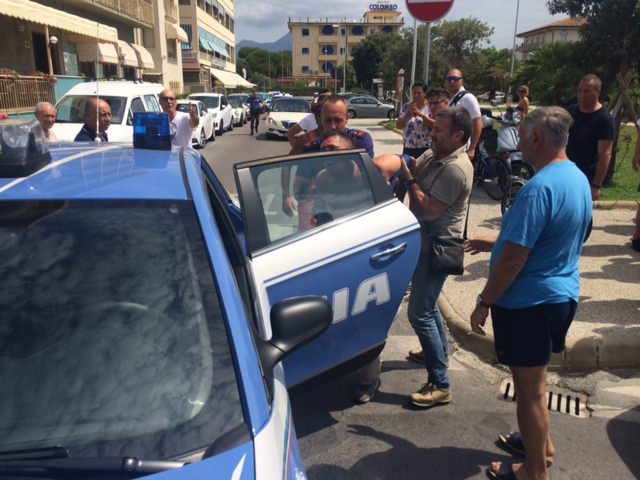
pixel 507 143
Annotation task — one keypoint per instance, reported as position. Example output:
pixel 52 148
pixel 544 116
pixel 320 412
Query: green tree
pixel 456 41
pixel 263 62
pixel 367 59
pixel 550 73
pixel 611 35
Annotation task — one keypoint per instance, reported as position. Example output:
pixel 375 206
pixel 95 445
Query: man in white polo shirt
pixel 459 96
pixel 182 124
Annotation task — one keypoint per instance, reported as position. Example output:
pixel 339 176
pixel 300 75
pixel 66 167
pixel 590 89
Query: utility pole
pixel 513 51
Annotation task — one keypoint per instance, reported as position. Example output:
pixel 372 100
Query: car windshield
pixel 210 102
pixel 291 105
pixel 72 107
pixel 112 338
pixel 236 102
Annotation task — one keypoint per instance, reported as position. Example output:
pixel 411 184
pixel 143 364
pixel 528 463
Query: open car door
pixel 346 238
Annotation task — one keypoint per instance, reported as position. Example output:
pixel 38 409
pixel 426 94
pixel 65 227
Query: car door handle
pixel 389 252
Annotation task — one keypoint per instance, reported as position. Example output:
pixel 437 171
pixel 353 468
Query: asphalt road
pixel 388 439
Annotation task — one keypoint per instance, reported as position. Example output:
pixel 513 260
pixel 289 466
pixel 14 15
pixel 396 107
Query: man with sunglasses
pixel 182 124
pixel 459 96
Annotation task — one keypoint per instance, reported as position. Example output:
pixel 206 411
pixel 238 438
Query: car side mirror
pixel 295 322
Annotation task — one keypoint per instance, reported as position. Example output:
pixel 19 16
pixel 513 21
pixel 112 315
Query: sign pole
pixel 415 50
pixel 427 49
pixel 428 11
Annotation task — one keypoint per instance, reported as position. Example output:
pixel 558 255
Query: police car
pixel 148 323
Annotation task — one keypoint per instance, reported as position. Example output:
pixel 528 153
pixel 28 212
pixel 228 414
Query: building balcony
pixel 171 11
pixel 22 94
pixel 532 46
pixel 135 13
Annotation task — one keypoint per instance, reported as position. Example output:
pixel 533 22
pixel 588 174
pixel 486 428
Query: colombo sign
pixel 429 10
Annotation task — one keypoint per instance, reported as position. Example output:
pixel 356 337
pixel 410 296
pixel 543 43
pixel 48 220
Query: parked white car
pixel 285 113
pixel 205 129
pixel 219 107
pixel 125 98
pixel 240 107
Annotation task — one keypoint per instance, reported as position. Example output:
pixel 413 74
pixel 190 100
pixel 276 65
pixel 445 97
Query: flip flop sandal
pixel 504 473
pixel 512 442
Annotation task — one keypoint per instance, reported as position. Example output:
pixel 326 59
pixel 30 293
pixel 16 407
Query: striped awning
pixel 41 14
pixel 174 31
pixel 128 55
pixel 144 57
pixel 230 79
pixel 100 51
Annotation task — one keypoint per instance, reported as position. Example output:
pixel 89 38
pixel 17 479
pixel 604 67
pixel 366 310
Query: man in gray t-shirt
pixel 438 186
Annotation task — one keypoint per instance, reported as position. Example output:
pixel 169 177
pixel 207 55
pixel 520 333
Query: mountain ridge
pixel 283 43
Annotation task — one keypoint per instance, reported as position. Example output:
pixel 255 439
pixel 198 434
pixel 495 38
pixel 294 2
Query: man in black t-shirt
pixel 592 133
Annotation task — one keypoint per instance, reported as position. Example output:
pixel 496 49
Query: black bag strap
pixel 457 98
pixel 466 219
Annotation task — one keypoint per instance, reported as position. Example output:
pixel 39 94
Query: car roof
pixel 209 94
pixel 89 170
pixel 115 88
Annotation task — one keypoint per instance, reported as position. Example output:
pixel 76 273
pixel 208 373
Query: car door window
pixel 152 103
pixel 136 106
pixel 325 188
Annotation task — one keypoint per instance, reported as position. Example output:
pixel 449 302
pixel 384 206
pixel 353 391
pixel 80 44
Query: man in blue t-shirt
pixel 534 281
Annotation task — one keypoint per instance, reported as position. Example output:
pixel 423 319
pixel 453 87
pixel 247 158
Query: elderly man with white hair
pixel 46 114
pixel 534 282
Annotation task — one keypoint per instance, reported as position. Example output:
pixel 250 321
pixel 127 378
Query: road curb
pixel 587 353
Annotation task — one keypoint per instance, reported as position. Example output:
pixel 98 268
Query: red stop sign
pixel 429 10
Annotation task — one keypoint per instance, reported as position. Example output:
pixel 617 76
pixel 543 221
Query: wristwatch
pixel 480 301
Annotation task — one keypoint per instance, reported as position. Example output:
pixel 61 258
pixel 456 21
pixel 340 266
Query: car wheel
pixel 221 129
pixel 352 114
pixel 231 125
pixel 212 138
pixel 390 114
pixel 202 141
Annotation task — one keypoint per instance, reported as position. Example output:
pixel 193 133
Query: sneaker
pixel 416 355
pixel 365 393
pixel 430 395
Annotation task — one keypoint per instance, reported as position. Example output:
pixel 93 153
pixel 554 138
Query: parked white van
pixel 124 97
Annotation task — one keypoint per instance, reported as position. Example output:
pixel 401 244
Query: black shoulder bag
pixel 446 253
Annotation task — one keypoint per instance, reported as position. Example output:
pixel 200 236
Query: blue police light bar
pixel 151 131
pixel 23 148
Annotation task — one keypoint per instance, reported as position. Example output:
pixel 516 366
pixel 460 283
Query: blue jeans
pixel 425 318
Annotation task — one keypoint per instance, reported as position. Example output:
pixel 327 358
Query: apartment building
pixel 208 57
pixel 130 39
pixel 321 45
pixel 565 30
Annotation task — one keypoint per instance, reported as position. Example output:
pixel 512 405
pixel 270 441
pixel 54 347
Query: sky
pixel 266 20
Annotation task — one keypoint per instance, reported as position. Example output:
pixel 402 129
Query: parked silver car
pixel 368 106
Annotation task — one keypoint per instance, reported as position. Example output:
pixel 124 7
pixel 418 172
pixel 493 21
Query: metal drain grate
pixel 558 400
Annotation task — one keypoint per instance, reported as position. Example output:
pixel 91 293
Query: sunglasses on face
pixel 453 79
pixel 168 99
